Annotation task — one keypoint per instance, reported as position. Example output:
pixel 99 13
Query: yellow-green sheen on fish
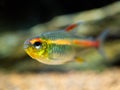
pixel 59 47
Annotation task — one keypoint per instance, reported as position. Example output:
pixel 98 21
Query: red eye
pixel 35 40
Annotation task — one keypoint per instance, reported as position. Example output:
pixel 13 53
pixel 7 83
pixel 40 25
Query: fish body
pixel 59 47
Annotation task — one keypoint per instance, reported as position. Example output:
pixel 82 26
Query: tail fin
pixel 101 39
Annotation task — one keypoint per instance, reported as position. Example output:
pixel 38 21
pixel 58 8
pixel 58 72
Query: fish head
pixel 35 47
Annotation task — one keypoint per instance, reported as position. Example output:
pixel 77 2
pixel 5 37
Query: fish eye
pixel 37 45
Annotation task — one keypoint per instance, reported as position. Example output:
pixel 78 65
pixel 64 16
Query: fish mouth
pixel 26 44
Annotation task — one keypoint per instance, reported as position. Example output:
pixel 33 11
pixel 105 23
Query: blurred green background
pixel 21 19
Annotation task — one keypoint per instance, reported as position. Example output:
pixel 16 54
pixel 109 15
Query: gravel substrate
pixel 72 80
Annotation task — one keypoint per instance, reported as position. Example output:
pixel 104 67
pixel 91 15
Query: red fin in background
pixel 73 26
pixel 100 41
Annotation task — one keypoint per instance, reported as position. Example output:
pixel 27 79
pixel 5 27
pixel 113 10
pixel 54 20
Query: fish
pixel 61 46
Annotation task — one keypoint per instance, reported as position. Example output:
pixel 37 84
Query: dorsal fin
pixel 73 26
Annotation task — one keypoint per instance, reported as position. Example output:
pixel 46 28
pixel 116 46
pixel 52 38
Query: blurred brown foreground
pixel 73 80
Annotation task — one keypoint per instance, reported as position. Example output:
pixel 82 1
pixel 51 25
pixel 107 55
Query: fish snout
pixel 26 44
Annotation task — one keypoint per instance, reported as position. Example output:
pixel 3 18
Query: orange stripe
pixel 85 43
pixel 61 42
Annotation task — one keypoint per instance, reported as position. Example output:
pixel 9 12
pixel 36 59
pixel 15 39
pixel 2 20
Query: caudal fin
pixel 101 39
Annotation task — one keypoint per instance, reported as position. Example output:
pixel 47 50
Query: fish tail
pixel 100 40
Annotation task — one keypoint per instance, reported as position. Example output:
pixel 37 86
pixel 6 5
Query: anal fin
pixel 79 59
